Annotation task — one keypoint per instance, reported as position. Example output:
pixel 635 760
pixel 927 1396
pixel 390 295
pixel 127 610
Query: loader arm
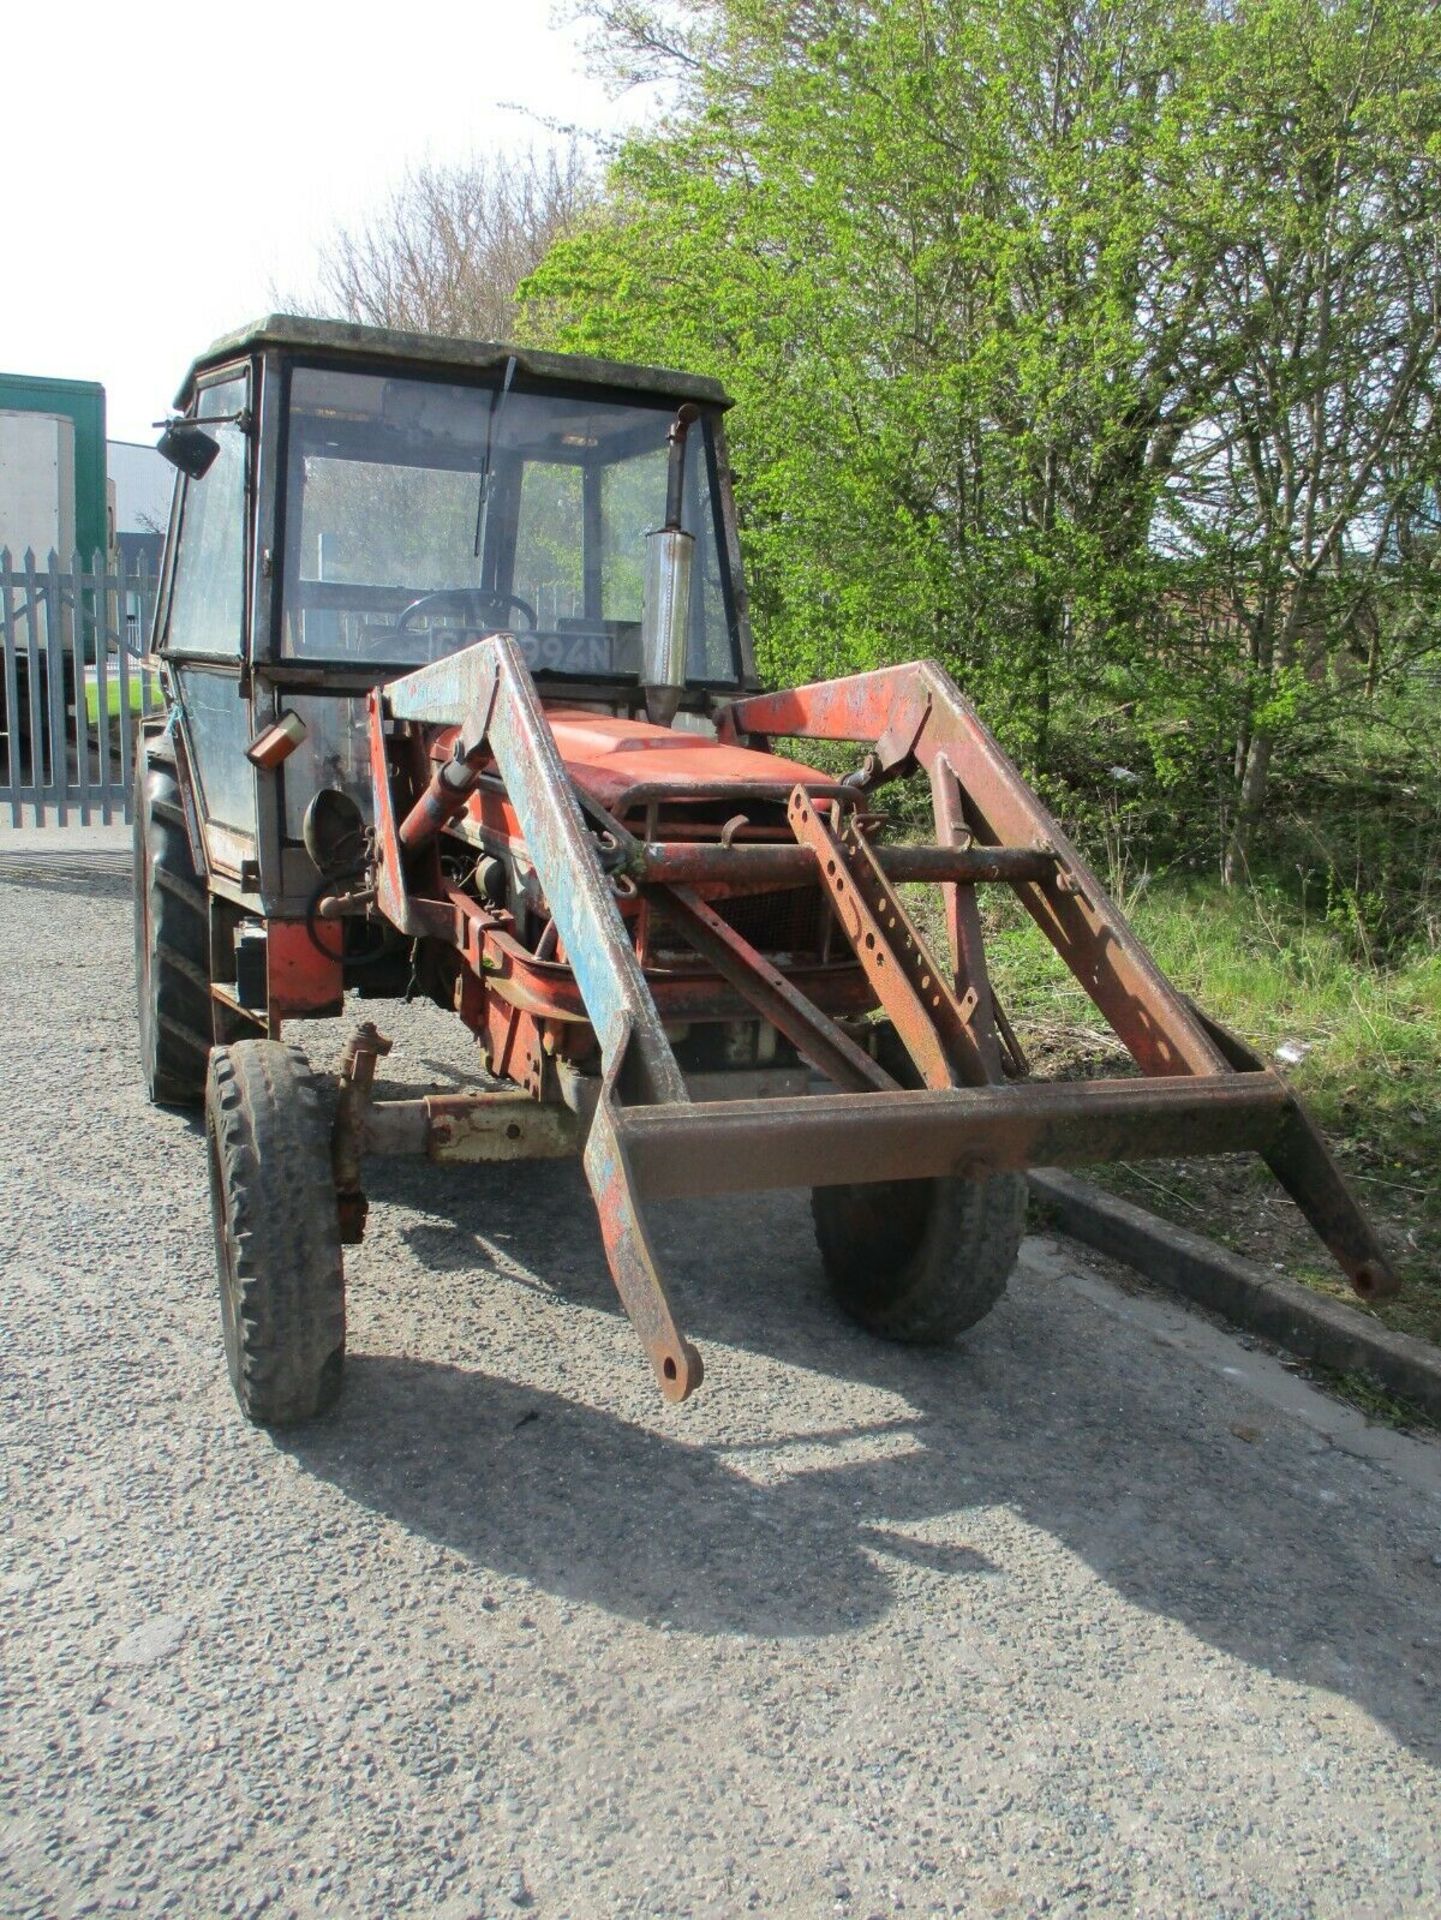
pixel 916 716
pixel 487 691
pixel 956 1114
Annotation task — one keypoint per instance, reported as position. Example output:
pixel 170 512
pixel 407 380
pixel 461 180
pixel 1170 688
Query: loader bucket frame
pixel 1200 1091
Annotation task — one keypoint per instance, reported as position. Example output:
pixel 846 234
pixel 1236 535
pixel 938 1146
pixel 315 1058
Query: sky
pixel 173 168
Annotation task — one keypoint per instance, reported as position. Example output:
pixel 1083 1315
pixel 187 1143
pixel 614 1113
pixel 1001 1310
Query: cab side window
pixel 207 594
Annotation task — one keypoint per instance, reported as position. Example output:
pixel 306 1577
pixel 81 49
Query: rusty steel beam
pixel 678 1366
pixel 933 1025
pixel 364 1050
pixel 393 883
pixel 837 1139
pixel 1301 1161
pixel 963 923
pixel 462 1127
pixel 694 863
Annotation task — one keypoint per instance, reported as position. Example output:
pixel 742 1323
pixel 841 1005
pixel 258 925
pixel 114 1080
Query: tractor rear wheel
pixel 277 1231
pixel 920 1260
pixel 172 940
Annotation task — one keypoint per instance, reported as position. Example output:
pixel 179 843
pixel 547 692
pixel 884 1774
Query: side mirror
pixel 188 447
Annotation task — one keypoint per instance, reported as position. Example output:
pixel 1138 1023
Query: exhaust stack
pixel 665 614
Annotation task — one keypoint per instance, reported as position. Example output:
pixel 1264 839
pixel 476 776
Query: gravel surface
pixel 1102 1613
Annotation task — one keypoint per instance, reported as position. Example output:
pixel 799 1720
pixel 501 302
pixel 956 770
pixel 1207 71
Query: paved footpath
pixel 1102 1613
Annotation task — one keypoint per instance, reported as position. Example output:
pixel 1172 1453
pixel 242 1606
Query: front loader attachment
pixel 947 1097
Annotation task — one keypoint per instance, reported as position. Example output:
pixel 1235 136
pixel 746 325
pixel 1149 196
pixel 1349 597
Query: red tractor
pixel 461 702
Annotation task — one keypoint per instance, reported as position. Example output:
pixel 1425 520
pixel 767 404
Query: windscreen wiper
pixel 497 401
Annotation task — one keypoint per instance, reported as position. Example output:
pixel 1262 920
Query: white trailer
pixel 37 484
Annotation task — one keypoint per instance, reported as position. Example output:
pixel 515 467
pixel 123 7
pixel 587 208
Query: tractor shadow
pixel 1277 1552
pixel 591 1508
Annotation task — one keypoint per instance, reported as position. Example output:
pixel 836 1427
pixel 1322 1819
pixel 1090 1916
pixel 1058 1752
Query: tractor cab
pixel 356 503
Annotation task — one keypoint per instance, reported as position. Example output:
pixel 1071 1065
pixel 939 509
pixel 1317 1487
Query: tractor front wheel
pixel 277 1231
pixel 172 940
pixel 920 1260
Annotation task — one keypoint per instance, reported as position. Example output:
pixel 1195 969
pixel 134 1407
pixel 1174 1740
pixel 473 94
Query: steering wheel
pixel 472 602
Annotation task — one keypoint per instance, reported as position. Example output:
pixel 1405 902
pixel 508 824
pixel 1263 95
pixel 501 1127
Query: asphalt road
pixel 1103 1613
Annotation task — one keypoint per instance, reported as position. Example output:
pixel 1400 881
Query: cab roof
pixel 344 339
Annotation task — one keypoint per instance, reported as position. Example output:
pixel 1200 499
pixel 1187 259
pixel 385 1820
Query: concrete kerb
pixel 1308 1324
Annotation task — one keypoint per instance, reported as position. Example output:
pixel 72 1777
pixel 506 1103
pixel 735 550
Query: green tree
pixel 1298 492
pixel 1069 340
pixel 927 246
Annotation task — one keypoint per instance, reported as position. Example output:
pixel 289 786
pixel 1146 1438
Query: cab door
pixel 205 620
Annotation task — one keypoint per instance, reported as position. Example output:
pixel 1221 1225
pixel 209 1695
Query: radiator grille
pixel 784 922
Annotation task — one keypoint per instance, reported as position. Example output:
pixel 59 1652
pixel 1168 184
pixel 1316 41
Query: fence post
pixel 72 629
pixel 146 593
pixel 14 719
pixel 103 585
pixel 55 636
pixel 34 687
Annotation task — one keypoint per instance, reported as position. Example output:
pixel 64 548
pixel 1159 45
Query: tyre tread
pixel 268 1120
pixel 951 1280
pixel 173 975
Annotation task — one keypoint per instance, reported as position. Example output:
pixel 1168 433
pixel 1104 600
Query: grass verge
pixel 1360 1042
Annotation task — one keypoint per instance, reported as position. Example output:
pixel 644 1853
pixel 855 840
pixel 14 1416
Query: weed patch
pixel 1360 1041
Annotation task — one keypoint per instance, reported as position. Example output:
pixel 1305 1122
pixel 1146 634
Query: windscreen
pixel 420 515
